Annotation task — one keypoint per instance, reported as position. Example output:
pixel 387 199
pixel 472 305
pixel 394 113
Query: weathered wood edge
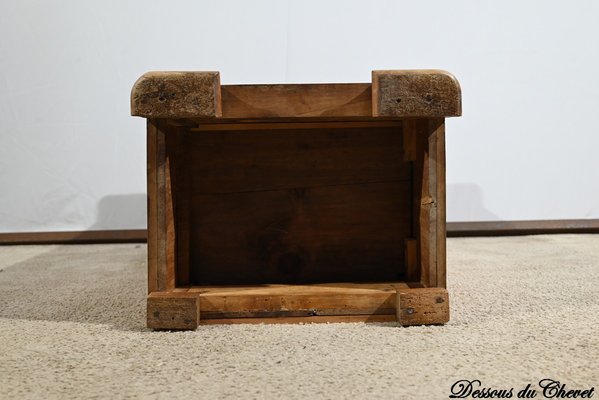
pixel 158 224
pixel 319 319
pixel 173 310
pixel 182 208
pixel 176 95
pixel 217 306
pixel 161 206
pixel 441 200
pixel 392 94
pixel 152 205
pixel 429 198
pixel 425 306
pixel 413 306
pixel 415 93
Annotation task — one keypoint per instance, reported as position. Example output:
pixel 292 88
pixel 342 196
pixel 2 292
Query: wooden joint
pixel 415 93
pixel 173 310
pixel 423 306
pixel 176 95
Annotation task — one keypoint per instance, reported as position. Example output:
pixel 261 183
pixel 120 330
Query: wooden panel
pixel 326 100
pixel 176 95
pixel 152 205
pixel 411 254
pixel 237 161
pixel 178 206
pixel 161 226
pixel 417 129
pixel 160 220
pixel 170 237
pixel 422 306
pixel 438 127
pixel 304 320
pixel 344 232
pixel 415 93
pixel 297 300
pixel 168 310
pixel 427 209
pixel 429 198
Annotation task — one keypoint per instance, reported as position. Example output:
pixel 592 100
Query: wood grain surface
pixel 424 306
pixel 308 100
pixel 298 300
pixel 169 310
pixel 391 94
pixel 307 205
pixel 415 93
pixel 176 95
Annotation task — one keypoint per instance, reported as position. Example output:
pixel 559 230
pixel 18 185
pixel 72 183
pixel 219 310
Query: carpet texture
pixel 522 309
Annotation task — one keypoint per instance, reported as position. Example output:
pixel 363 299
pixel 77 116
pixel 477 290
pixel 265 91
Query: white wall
pixel 72 158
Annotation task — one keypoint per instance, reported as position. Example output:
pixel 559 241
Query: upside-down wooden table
pixel 296 203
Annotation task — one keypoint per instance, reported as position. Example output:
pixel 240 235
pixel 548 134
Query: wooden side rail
pixel 391 94
pixel 187 308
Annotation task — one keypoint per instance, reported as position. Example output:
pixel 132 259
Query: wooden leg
pixel 424 306
pixel 173 310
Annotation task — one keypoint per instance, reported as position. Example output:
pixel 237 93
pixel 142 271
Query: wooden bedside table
pixel 296 203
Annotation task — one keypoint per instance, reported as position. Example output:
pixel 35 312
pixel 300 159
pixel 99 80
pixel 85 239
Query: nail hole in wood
pixel 398 100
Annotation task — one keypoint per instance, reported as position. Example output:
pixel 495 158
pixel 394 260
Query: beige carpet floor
pixel 523 309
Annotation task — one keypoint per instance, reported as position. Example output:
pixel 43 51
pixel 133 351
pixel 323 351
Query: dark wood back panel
pixel 298 205
pixel 241 161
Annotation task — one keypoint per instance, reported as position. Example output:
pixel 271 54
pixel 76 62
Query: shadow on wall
pixel 97 284
pixel 121 212
pixel 465 202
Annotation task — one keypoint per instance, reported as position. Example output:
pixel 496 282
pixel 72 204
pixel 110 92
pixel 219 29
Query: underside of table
pixel 296 202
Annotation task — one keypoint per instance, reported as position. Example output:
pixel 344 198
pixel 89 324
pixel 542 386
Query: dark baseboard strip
pixel 513 228
pixel 454 229
pixel 74 237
